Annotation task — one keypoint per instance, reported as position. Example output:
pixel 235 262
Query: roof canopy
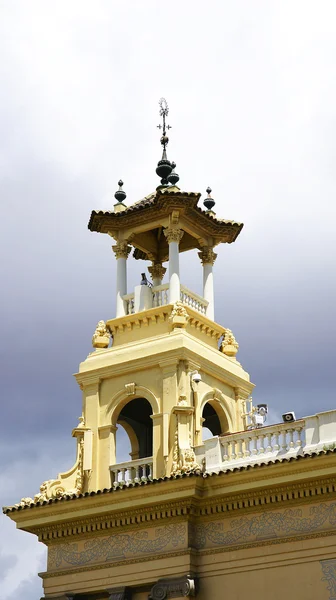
pixel 142 223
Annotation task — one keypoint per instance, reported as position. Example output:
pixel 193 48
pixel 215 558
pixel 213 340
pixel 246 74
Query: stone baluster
pixel 276 446
pixel 255 445
pixel 284 441
pixel 291 438
pixel 261 437
pixel 269 443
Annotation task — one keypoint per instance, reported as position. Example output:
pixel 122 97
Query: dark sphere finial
pixel 209 202
pixel 173 178
pixel 120 194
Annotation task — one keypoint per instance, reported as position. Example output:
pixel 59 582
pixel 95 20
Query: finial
pixel 164 167
pixel 173 178
pixel 120 194
pixel 209 202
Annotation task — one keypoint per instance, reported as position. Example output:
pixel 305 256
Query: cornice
pixel 195 509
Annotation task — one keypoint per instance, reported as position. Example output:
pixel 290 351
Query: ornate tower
pixel 163 369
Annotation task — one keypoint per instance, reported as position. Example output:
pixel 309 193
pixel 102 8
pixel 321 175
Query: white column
pixel 121 251
pixel 208 257
pixel 174 237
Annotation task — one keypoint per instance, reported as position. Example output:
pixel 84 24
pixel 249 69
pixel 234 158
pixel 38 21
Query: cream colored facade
pixel 251 512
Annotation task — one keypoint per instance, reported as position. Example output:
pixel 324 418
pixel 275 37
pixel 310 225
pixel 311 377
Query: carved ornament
pixel 101 337
pixel 229 345
pixel 121 249
pixel 174 587
pixel 173 234
pixel 157 271
pixel 184 459
pixel 130 389
pixel 179 316
pixel 207 256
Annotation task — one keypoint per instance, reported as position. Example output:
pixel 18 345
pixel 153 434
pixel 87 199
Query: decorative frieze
pixel 121 249
pixel 207 256
pixel 174 587
pixel 173 234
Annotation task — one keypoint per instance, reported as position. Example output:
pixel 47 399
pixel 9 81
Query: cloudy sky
pixel 251 88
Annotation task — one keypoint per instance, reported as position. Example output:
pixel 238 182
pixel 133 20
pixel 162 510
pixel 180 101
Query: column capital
pixel 121 249
pixel 173 587
pixel 207 256
pixel 119 593
pixel 157 271
pixel 173 234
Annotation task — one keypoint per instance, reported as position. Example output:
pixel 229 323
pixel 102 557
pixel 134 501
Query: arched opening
pixel 135 418
pixel 211 424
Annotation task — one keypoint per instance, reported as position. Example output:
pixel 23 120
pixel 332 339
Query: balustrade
pixel 133 471
pixel 160 297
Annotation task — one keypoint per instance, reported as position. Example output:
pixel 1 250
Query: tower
pixel 159 525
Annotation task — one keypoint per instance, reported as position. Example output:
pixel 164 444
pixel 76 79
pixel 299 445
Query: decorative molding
pixel 121 249
pixel 264 525
pixel 173 587
pixel 173 234
pixel 180 510
pixel 207 256
pixel 329 572
pixel 120 545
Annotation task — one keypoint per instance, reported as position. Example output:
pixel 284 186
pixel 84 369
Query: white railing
pixel 129 304
pixel 133 471
pixel 160 297
pixel 263 444
pixel 193 300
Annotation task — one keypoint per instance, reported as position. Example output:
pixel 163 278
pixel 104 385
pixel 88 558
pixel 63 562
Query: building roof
pixel 198 473
pixel 154 210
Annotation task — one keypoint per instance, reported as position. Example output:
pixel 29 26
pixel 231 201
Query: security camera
pixel 288 417
pixel 196 377
pixel 262 409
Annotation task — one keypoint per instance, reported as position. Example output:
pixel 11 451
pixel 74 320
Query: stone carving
pixel 184 459
pixel 174 587
pixel 56 488
pixel 265 526
pixel 130 389
pixel 101 337
pixel 173 234
pixel 329 572
pixel 121 249
pixel 182 401
pixel 207 256
pixel 179 316
pixel 118 546
pixel 229 345
pixel 119 593
pixel 157 271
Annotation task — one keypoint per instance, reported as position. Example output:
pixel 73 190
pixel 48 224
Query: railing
pixel 129 304
pixel 265 440
pixel 263 444
pixel 133 471
pixel 193 300
pixel 160 297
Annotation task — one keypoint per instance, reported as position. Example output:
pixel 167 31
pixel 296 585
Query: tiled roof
pixel 8 509
pixel 151 200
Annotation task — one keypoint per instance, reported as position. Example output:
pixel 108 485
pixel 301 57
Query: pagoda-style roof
pixel 142 224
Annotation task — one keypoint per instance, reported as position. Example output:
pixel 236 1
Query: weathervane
pixel 165 169
pixel 164 110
